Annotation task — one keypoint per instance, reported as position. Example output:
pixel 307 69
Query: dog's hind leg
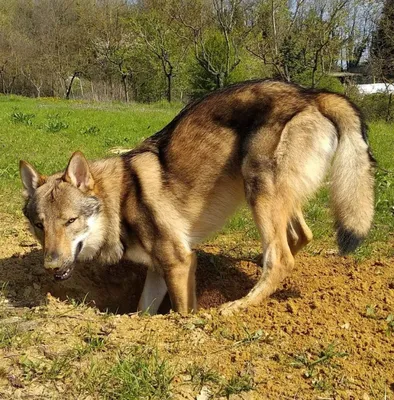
pixel 272 212
pixel 155 289
pixel 298 232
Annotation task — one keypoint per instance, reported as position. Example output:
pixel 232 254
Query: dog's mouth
pixel 63 274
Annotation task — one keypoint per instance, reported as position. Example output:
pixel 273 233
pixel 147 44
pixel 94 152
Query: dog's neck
pixel 108 178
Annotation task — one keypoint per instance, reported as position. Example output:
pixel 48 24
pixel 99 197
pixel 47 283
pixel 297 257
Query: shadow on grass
pixel 117 288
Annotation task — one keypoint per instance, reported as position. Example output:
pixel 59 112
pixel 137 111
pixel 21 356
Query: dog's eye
pixel 39 225
pixel 70 221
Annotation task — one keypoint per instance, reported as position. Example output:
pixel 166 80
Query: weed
pixel 55 124
pixel 252 337
pixel 3 372
pixel 57 367
pixel 325 357
pixel 60 366
pixel 91 130
pixel 8 333
pixel 30 369
pixel 19 117
pixel 91 344
pixel 321 384
pixel 237 384
pixel 79 304
pixel 95 342
pixel 390 324
pixel 3 290
pixel 370 311
pixel 201 375
pixel 195 323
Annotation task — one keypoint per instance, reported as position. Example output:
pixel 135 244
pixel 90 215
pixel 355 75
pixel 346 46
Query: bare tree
pixel 218 55
pixel 357 32
pixel 113 42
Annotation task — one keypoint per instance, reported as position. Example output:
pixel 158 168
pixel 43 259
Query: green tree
pixel 300 41
pixel 159 34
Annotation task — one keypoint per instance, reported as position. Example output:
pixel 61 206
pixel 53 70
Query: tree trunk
pixel 81 86
pixel 219 81
pixel 11 86
pixel 388 115
pixel 125 89
pixel 92 90
pixel 69 88
pixel 169 87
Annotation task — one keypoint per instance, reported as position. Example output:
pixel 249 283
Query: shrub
pixel 55 124
pixel 377 106
pixel 330 83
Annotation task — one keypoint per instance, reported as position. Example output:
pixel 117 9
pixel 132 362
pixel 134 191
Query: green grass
pixel 133 373
pixel 89 362
pixel 46 132
pixel 8 334
pixel 201 376
pixel 218 385
pixel 139 375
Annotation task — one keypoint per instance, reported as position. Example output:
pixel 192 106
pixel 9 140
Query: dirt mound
pixel 327 332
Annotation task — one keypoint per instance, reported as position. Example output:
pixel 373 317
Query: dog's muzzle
pixel 64 273
pixel 61 271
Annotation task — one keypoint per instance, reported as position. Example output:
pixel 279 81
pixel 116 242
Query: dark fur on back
pixel 244 119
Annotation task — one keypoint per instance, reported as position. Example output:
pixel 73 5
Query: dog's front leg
pixel 155 289
pixel 181 283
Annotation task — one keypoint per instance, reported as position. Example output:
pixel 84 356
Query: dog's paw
pixel 231 308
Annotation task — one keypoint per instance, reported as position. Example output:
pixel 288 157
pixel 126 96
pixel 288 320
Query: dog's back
pixel 217 147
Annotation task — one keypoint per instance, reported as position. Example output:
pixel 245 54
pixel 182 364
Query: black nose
pixel 52 256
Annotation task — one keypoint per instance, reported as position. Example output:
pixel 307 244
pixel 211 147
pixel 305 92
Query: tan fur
pixel 352 182
pixel 267 142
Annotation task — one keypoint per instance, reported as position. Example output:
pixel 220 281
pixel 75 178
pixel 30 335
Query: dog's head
pixel 64 214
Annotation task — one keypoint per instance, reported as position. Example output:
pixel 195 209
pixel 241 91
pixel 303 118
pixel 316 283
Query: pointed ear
pixel 31 179
pixel 78 172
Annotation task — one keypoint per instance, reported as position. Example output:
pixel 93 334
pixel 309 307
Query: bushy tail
pixel 352 186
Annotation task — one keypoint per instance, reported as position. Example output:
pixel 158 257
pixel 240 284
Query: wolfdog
pixel 266 142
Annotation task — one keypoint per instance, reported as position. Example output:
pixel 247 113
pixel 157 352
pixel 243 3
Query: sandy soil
pixel 328 301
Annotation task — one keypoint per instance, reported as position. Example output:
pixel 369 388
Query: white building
pixel 370 88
